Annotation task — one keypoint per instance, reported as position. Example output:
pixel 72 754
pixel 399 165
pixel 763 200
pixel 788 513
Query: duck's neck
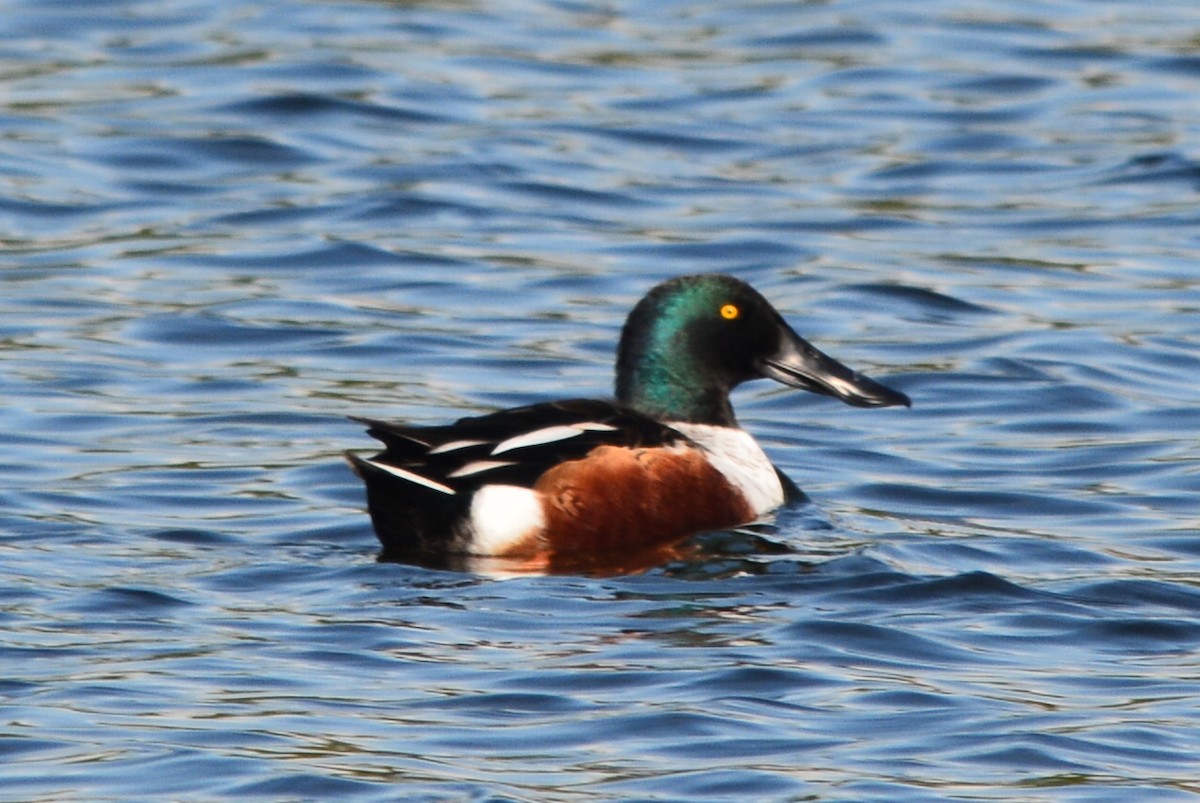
pixel 666 393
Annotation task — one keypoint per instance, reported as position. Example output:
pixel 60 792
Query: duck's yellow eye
pixel 730 311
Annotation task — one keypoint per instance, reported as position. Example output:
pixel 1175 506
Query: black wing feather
pixel 416 449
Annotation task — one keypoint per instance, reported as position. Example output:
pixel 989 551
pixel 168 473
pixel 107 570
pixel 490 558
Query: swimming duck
pixel 559 482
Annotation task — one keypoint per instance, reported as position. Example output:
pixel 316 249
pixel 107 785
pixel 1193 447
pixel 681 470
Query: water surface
pixel 227 226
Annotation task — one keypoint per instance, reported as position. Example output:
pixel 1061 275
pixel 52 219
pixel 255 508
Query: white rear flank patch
pixel 502 516
pixel 736 454
pixel 539 436
pixel 478 466
pixel 413 477
pixel 452 446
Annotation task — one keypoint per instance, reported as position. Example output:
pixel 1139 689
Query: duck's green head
pixel 692 339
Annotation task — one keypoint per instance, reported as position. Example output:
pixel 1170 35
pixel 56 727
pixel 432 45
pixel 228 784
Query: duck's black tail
pixel 410 519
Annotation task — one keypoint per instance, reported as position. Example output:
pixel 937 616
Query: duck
pixel 571 482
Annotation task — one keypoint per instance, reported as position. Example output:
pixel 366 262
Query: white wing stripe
pixel 413 477
pixel 592 426
pixel 452 446
pixel 537 438
pixel 478 466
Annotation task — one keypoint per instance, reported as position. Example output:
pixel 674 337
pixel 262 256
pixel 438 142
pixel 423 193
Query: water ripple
pixel 228 226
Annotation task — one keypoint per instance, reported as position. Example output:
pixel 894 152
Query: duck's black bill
pixel 800 364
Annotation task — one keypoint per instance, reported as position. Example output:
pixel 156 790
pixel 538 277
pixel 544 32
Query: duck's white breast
pixel 736 454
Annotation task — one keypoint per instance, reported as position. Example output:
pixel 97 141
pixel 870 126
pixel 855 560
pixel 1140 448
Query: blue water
pixel 225 226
